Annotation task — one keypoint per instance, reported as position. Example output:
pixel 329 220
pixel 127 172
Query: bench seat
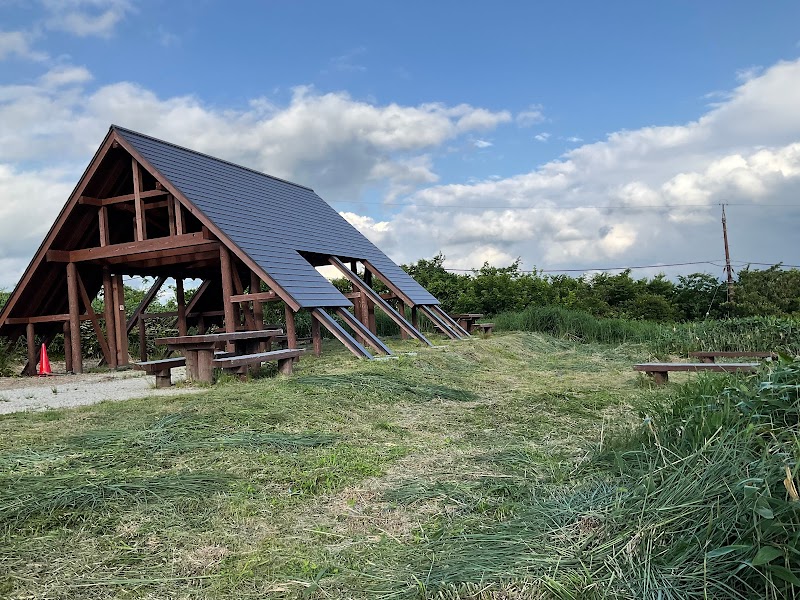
pixel 239 364
pixel 660 371
pixel 484 327
pixel 161 369
pixel 710 357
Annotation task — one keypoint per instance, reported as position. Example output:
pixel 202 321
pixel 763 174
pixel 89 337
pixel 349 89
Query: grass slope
pixel 483 468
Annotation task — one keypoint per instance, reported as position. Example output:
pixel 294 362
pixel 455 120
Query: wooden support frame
pixel 30 338
pixel 340 334
pixel 141 223
pixel 316 335
pixel 87 302
pixel 227 292
pixel 376 298
pixel 180 299
pixel 368 336
pixel 74 317
pixel 455 325
pixel 128 249
pixel 441 323
pixel 118 295
pixel 146 301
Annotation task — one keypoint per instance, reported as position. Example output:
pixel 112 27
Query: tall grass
pixel 700 501
pixel 752 333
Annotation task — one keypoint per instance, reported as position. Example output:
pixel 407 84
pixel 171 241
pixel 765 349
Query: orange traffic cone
pixel 44 363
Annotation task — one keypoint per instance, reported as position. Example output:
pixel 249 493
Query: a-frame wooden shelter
pixel 147 207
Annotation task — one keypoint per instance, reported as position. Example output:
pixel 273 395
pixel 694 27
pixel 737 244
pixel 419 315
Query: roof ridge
pixel 222 160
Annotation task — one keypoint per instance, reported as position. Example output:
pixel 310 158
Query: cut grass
pixel 332 483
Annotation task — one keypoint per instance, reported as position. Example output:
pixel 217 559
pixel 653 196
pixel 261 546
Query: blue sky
pixel 451 107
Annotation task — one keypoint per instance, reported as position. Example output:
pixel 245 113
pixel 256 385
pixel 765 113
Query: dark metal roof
pixel 272 220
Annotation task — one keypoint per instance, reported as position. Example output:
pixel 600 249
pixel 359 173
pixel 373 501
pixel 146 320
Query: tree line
pixel 493 290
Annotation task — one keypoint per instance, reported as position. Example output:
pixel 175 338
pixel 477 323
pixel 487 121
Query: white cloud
pixel 748 73
pixel 18 43
pixel 531 116
pixel 85 18
pixel 482 144
pixel 542 137
pixel 573 139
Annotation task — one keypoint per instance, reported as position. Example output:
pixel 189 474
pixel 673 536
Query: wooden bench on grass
pixel 239 364
pixel 484 327
pixel 710 357
pixel 660 371
pixel 161 369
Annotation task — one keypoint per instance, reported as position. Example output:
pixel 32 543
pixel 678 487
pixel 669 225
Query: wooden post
pixel 74 317
pixel 104 233
pixel 67 348
pixel 120 322
pixel 109 314
pixel 30 335
pixel 370 313
pixel 258 307
pixel 291 330
pixel 181 300
pixel 171 213
pixel 316 335
pixel 414 317
pixel 141 228
pixel 401 308
pixel 142 340
pixel 227 292
pixel 180 226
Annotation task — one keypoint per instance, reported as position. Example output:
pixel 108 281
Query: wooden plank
pixel 395 290
pixel 171 214
pixel 67 348
pixel 92 201
pixel 258 297
pixel 180 224
pixel 141 224
pixel 401 308
pixel 87 302
pixel 696 367
pixel 368 336
pixel 187 240
pixel 74 317
pixel 340 334
pixel 375 297
pixel 142 339
pixel 249 320
pixel 259 357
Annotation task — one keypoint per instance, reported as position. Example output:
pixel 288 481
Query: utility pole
pixel 728 267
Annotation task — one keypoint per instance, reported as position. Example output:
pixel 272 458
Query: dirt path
pixel 64 391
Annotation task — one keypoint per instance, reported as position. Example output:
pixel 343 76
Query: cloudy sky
pixel 580 135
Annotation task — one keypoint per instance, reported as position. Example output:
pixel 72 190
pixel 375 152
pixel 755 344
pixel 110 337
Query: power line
pixel 539 207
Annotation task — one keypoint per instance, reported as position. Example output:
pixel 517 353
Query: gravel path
pixel 64 391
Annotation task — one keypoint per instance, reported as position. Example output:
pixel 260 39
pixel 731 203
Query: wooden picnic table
pixel 199 349
pixel 468 320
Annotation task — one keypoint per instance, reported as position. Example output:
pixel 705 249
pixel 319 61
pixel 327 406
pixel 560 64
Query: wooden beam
pixel 227 292
pixel 401 308
pixel 180 225
pixel 171 214
pixel 249 320
pixel 257 297
pixel 372 295
pixel 187 241
pixel 141 228
pixel 356 325
pixel 142 339
pixel 102 216
pixel 291 327
pixel 87 302
pixel 395 290
pixel 181 300
pixel 67 348
pixel 91 201
pixel 446 328
pixel 340 334
pixel 30 336
pixel 108 313
pixel 118 293
pixel 43 319
pixel 258 307
pixel 74 317
pixel 316 335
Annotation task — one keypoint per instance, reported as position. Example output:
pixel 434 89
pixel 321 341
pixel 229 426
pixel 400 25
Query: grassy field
pixel 503 467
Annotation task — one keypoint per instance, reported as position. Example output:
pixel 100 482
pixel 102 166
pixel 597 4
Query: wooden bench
pixel 660 371
pixel 240 364
pixel 484 327
pixel 710 357
pixel 161 369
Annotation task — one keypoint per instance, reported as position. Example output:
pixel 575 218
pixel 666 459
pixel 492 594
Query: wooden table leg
pixel 205 368
pixel 191 365
pixel 660 377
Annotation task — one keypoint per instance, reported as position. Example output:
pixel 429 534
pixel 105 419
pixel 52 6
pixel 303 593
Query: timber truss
pixel 124 218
